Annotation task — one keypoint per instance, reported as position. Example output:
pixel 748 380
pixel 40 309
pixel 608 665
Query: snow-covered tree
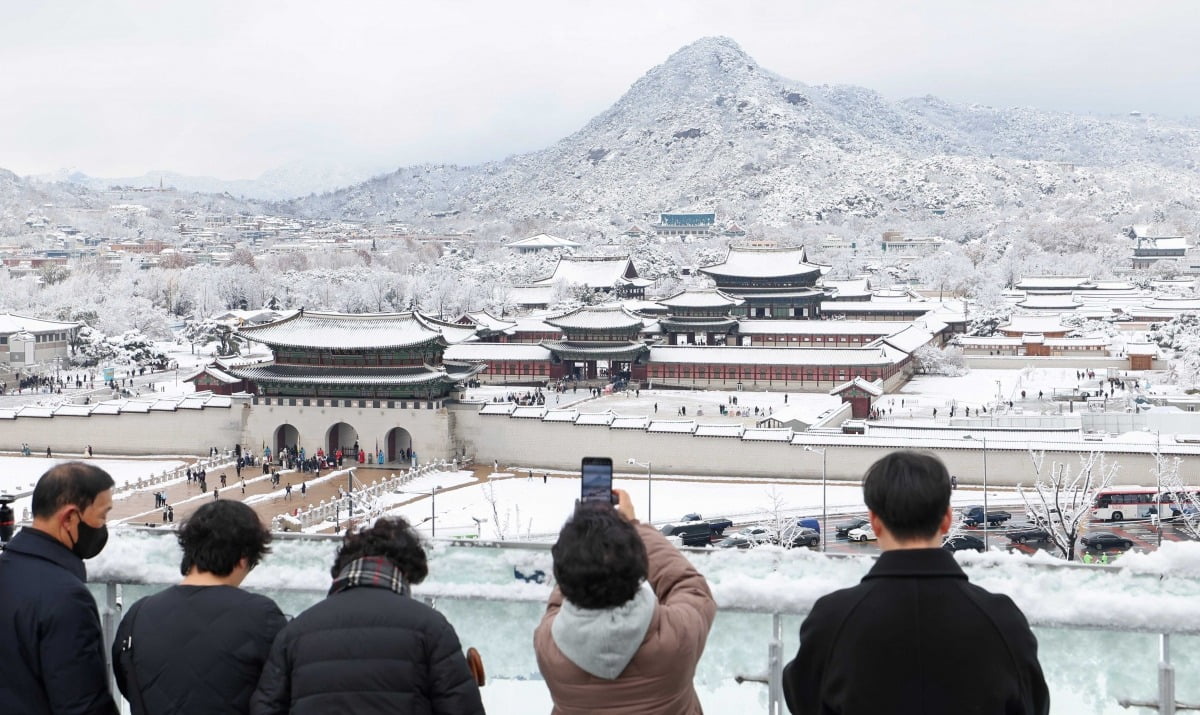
pixel 1060 500
pixel 933 360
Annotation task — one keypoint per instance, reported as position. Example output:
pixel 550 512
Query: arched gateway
pixel 342 436
pixel 286 436
pixel 399 445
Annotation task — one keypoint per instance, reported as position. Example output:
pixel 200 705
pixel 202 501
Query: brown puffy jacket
pixel 658 681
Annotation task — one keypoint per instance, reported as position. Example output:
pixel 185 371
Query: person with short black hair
pixel 628 620
pixel 894 642
pixel 200 646
pixel 369 647
pixel 51 642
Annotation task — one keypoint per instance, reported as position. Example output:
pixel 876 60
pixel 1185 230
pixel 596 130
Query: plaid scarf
pixel 374 571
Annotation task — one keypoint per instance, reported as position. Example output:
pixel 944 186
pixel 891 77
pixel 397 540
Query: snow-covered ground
pixel 20 474
pixel 525 508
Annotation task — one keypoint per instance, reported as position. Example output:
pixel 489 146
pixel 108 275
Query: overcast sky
pixel 234 88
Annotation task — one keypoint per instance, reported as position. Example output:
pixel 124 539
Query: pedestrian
pixel 913 607
pixel 223 477
pixel 164 515
pixel 200 646
pixel 52 657
pixel 48 452
pixel 625 596
pixel 171 514
pixel 216 494
pixel 287 491
pixel 369 646
pixel 303 488
pixel 954 482
pixel 545 478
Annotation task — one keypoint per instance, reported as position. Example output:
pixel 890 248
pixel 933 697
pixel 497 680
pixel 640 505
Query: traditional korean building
pixel 600 274
pixel 598 337
pixel 775 283
pixel 699 317
pixel 26 341
pixel 379 356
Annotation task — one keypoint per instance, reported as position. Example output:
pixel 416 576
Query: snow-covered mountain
pixel 710 129
pixel 299 178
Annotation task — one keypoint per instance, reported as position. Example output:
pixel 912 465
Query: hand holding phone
pixel 596 484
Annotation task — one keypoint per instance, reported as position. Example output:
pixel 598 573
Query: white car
pixel 757 534
pixel 862 533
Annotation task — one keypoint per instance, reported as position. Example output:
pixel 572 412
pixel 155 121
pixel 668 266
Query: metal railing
pixel 1164 701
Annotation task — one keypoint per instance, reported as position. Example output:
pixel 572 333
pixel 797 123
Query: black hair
pixel 69 484
pixel 391 538
pixel 599 559
pixel 219 535
pixel 909 492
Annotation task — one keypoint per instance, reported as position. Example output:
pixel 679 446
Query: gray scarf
pixel 603 641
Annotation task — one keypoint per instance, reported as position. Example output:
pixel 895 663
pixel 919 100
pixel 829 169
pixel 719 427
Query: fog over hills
pixel 710 129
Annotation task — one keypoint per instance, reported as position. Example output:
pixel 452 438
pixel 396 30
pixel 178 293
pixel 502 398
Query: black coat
pixel 367 650
pixel 51 642
pixel 916 637
pixel 196 649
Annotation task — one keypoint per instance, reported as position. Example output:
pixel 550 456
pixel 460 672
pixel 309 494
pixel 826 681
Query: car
pixel 757 534
pixel 802 536
pixel 1021 536
pixel 862 533
pixel 1105 540
pixel 843 529
pixel 692 533
pixel 736 542
pixel 1038 515
pixel 963 542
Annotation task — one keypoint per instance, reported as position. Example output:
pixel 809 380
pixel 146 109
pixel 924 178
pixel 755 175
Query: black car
pixel 843 529
pixel 1021 536
pixel 802 536
pixel 692 533
pixel 963 542
pixel 1106 540
pixel 736 542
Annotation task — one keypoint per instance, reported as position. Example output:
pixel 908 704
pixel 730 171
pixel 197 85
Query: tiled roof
pixel 13 323
pixel 476 352
pixel 874 328
pixel 545 240
pixel 710 298
pixel 309 375
pixel 344 330
pixel 586 350
pixel 592 271
pixel 672 426
pixel 746 262
pixel 597 318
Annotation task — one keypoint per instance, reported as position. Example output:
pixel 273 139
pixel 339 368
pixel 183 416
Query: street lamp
pixel 649 489
pixel 432 494
pixel 983 439
pixel 824 501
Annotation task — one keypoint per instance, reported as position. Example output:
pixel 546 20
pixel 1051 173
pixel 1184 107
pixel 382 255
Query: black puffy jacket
pixel 196 649
pixel 367 650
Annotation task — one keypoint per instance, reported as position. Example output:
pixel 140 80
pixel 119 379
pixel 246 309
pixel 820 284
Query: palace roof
pixel 595 272
pixel 345 331
pixel 483 352
pixel 875 328
pixel 310 375
pixel 597 318
pixel 746 262
pixel 709 298
pixel 545 240
pixel 596 350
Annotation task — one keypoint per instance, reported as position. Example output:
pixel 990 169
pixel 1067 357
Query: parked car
pixel 718 524
pixel 973 515
pixel 1021 536
pixel 963 542
pixel 691 533
pixel 1105 540
pixel 809 522
pixel 736 542
pixel 758 534
pixel 843 529
pixel 862 533
pixel 802 536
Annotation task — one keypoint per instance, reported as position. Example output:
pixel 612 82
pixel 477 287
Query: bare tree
pixel 1060 501
pixel 1185 499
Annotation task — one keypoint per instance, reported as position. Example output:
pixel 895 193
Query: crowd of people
pixel 622 632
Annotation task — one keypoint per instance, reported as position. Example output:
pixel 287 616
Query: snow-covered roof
pixel 13 323
pixel 638 422
pixel 768 434
pixel 1164 243
pixel 1146 230
pixel 344 330
pixel 535 412
pixel 489 321
pixel 707 298
pixel 533 324
pixel 594 418
pixel 1141 349
pixel 753 262
pixel 597 318
pixel 452 332
pixel 719 430
pixel 531 295
pixel 909 339
pixel 1034 324
pixel 483 352
pixel 568 415
pixel 1052 282
pixel 739 355
pixel 1051 301
pixel 871 387
pixel 544 240
pixel 856 287
pixel 593 272
pixel 672 426
pixel 313 375
pixel 498 408
pixel 873 328
pixel 915 307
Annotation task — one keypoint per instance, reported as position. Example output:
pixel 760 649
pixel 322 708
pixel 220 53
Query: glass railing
pixel 1101 629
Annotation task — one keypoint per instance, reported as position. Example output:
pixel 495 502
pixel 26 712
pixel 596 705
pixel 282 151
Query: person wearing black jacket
pixel 199 647
pixel 51 642
pixel 914 636
pixel 369 647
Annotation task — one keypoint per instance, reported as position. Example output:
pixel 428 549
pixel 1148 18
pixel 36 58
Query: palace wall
pixel 561 445
pixel 183 431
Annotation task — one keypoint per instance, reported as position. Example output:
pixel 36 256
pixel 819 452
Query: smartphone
pixel 597 479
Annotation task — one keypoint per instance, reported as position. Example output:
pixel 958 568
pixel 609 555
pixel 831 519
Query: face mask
pixel 91 540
